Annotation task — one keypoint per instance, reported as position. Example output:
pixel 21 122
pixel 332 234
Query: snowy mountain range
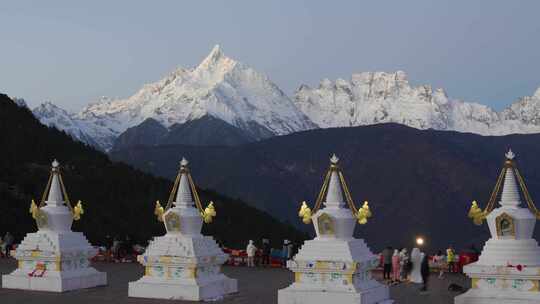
pixel 225 90
pixel 378 97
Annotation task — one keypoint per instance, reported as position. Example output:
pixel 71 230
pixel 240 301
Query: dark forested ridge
pixel 205 131
pixel 118 200
pixel 418 182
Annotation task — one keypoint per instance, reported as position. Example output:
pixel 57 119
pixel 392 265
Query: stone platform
pixel 55 282
pixel 256 286
pixel 42 266
pixel 377 294
pixel 184 290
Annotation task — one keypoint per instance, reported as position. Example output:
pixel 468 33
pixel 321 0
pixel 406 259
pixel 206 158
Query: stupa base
pixel 493 284
pixel 55 281
pixel 190 290
pixel 477 296
pixel 376 295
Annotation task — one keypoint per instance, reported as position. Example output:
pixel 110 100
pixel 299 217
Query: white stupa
pixel 508 270
pixel 334 267
pixel 54 258
pixel 183 264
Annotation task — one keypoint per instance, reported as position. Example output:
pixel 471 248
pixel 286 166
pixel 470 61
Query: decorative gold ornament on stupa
pixel 305 213
pixel 158 211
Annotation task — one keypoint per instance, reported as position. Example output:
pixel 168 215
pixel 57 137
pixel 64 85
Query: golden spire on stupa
pixel 55 194
pixel 183 188
pixel 509 194
pixel 333 185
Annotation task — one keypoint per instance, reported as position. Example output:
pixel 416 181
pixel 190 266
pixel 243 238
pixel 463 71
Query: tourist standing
pixel 251 250
pixel 416 259
pixel 116 249
pixel 424 270
pixel 266 252
pixel 128 247
pixel 438 261
pixel 387 262
pixel 395 267
pixel 290 250
pixel 286 251
pixel 2 249
pixel 404 263
pixel 451 259
pixel 8 242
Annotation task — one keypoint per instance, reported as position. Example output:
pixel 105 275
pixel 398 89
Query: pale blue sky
pixel 72 52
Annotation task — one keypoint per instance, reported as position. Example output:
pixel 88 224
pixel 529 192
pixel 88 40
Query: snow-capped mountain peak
pixel 526 110
pixel 216 60
pixel 213 68
pixel 50 114
pixel 219 87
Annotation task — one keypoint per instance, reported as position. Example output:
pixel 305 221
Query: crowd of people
pixel 118 249
pixel 264 255
pixel 399 266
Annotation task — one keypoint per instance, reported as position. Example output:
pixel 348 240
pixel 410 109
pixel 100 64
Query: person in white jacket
pixel 416 259
pixel 251 250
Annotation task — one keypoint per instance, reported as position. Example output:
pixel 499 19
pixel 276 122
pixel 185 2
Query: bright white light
pixel 419 241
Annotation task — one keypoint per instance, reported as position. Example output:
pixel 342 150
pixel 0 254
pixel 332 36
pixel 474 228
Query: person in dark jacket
pixel 387 262
pixel 266 252
pixel 424 271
